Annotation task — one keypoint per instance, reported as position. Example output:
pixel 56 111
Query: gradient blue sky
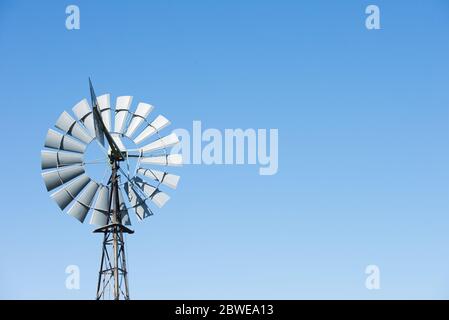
pixel 363 119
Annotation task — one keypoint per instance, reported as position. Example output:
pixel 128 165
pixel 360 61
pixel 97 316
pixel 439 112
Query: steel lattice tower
pixel 113 271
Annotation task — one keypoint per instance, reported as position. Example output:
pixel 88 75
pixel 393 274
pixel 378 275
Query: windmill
pixel 123 190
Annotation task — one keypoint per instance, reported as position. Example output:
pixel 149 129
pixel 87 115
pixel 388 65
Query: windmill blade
pixel 118 141
pixel 81 206
pixel 142 211
pixel 142 112
pixel 52 159
pixel 121 112
pixel 160 198
pixel 69 125
pixel 157 125
pixel 104 102
pixel 56 140
pixel 67 193
pixel 100 214
pixel 164 142
pixel 168 179
pixel 168 160
pixel 123 213
pixel 147 189
pixel 137 203
pixel 58 177
pixel 157 196
pixel 83 112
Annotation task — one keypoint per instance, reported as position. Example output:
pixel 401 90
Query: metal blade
pixel 147 189
pixel 157 125
pixel 58 177
pixel 168 179
pixel 69 125
pixel 67 193
pixel 56 140
pixel 142 112
pixel 164 142
pixel 169 160
pixel 100 212
pixel 123 213
pixel 141 209
pixel 118 141
pixel 160 198
pixel 121 113
pixel 83 112
pixel 104 102
pixel 157 196
pixel 81 207
pixel 52 159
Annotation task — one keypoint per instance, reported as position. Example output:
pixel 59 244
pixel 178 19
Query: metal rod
pixel 115 221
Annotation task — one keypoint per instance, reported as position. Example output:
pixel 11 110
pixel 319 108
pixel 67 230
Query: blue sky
pixel 363 119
